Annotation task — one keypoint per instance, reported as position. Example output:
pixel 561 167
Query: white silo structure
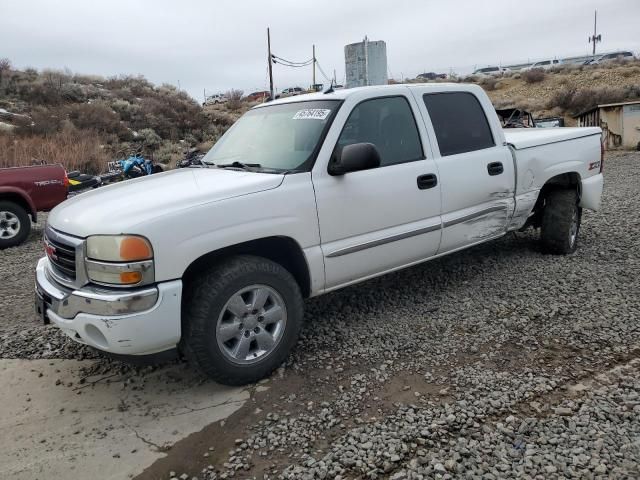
pixel 366 63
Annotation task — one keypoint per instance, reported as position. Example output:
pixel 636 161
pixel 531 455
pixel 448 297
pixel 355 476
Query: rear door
pixel 477 174
pixel 378 220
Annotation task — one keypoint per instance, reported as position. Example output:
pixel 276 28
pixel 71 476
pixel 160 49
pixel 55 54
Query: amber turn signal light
pixel 135 248
pixel 129 278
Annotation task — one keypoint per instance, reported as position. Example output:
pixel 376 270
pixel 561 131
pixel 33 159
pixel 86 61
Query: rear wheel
pixel 561 220
pixel 241 319
pixel 15 224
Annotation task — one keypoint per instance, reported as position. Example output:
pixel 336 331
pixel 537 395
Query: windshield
pixel 281 137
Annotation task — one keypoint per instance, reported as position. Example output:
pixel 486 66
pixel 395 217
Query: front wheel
pixel 561 222
pixel 241 319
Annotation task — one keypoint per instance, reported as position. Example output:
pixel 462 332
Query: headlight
pixel 119 248
pixel 119 260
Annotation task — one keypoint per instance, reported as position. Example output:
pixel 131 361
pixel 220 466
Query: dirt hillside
pixel 567 90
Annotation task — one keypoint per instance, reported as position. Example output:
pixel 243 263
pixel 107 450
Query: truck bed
pixel 521 138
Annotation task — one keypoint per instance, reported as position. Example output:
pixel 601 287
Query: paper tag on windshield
pixel 312 113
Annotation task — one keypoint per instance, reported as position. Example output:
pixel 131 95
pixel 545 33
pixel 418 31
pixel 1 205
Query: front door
pixel 377 220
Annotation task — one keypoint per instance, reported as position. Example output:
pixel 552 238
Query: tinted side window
pixel 389 124
pixel 459 122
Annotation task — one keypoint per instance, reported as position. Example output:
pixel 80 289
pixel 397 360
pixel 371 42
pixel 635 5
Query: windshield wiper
pixel 236 164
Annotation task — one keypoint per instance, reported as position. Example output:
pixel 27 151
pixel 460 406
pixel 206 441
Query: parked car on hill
pixel 261 96
pixel 544 65
pixel 610 57
pixel 216 98
pixel 303 196
pixel 25 191
pixel 492 71
pixel 290 92
pixel 432 75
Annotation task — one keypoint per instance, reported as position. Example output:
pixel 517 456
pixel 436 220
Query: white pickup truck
pixel 303 196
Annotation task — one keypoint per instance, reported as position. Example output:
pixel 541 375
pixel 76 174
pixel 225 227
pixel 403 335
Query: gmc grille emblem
pixel 50 250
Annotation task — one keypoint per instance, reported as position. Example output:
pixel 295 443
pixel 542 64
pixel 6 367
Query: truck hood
pixel 118 208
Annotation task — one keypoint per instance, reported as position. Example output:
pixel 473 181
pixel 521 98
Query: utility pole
pixel 270 64
pixel 366 61
pixel 596 37
pixel 314 66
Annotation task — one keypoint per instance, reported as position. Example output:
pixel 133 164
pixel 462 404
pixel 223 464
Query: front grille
pixel 62 257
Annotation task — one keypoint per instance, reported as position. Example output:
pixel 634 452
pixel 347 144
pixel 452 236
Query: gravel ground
pixel 497 362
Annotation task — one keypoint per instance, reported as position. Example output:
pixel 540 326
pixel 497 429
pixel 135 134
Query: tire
pixel 15 224
pixel 561 222
pixel 230 341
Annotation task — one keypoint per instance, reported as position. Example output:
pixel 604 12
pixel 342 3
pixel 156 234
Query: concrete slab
pixel 53 426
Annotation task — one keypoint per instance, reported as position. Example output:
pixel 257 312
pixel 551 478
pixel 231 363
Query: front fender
pixel 24 196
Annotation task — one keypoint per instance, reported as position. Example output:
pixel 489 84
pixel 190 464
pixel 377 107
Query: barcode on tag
pixel 312 113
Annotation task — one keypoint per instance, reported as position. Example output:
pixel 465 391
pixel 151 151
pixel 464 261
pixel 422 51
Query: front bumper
pixel 141 321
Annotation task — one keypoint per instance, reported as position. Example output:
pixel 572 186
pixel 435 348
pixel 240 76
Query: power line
pixel 292 66
pixel 322 71
pixel 290 63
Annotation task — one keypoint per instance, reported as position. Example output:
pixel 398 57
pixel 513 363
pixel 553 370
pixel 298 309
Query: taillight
pixel 601 156
pixel 66 180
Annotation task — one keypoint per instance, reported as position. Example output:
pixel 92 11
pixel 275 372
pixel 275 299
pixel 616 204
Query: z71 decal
pixel 594 165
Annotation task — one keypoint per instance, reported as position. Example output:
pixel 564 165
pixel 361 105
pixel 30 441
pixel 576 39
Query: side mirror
pixel 355 157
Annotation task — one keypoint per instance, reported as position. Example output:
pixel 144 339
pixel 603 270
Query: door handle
pixel 495 168
pixel 427 181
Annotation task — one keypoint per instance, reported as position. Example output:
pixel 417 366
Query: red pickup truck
pixel 25 191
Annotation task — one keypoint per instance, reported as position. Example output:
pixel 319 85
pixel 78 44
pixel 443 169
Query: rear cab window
pixel 459 122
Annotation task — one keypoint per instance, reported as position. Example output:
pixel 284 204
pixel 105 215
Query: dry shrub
pixel 149 139
pixel 563 97
pixel 630 72
pixel 74 150
pixel 45 121
pixel 220 117
pixel 95 116
pixel 489 83
pixel 574 100
pixel 533 76
pixel 172 115
pixel 234 99
pixel 169 153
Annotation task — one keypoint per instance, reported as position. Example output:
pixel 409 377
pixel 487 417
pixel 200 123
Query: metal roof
pixel 633 102
pixel 605 105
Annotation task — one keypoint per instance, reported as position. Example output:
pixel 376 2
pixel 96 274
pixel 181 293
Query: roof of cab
pixel 343 93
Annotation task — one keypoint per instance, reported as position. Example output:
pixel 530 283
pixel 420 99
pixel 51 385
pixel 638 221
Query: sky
pixel 219 45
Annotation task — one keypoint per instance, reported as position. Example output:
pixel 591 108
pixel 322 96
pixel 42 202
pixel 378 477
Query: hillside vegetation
pixel 566 90
pixel 85 121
